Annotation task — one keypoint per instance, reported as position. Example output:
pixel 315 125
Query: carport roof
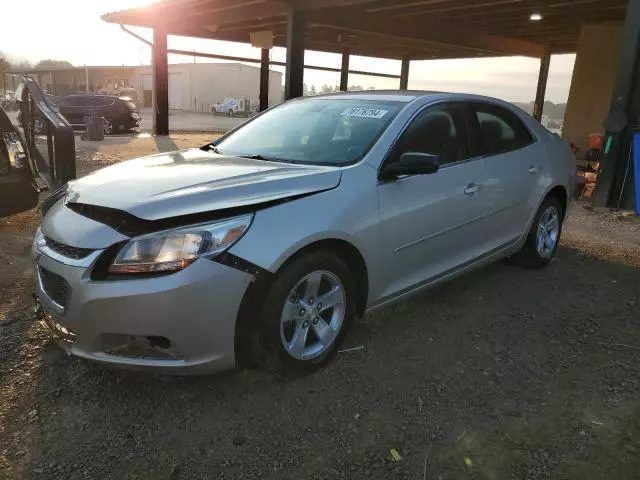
pixel 417 29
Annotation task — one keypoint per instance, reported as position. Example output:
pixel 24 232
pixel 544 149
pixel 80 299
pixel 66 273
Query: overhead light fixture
pixel 535 17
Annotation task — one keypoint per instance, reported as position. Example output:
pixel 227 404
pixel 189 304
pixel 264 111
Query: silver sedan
pixel 267 243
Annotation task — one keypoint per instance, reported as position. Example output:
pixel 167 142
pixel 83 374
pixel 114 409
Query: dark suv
pixel 119 113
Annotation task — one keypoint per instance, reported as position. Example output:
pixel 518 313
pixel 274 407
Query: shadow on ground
pixel 504 373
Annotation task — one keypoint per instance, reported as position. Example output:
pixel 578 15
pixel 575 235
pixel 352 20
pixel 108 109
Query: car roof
pixel 405 96
pixel 92 95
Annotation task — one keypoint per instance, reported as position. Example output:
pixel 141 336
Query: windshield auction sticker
pixel 364 112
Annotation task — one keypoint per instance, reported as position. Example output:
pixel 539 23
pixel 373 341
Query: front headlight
pixel 174 250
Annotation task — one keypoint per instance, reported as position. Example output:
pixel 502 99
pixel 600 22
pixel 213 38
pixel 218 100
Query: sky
pixel 72 30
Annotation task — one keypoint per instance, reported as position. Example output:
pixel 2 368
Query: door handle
pixel 533 169
pixel 471 189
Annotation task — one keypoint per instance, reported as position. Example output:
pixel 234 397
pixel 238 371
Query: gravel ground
pixel 502 374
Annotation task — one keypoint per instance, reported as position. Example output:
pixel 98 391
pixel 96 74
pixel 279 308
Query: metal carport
pixel 405 30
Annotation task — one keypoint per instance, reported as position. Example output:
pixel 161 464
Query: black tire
pixel 529 256
pixel 109 121
pixel 270 351
pixel 38 126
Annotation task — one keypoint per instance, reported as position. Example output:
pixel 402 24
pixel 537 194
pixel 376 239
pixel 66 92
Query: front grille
pixel 67 250
pixel 56 287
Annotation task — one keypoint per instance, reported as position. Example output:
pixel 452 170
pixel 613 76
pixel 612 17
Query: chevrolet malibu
pixel 267 243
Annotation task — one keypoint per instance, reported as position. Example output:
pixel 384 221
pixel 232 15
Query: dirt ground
pixel 502 374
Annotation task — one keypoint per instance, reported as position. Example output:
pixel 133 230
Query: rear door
pixel 98 105
pixel 430 224
pixel 513 160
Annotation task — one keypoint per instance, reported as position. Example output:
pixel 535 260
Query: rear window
pixel 501 131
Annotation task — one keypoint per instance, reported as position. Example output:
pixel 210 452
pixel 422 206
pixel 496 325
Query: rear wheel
pixel 544 236
pixel 38 126
pixel 305 313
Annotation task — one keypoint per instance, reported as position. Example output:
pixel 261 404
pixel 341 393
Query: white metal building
pixel 197 87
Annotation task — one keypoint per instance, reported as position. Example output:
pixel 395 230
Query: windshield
pixel 315 131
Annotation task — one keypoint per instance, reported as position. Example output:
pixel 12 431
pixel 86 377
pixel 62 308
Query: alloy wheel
pixel 38 126
pixel 313 315
pixel 548 232
pixel 108 126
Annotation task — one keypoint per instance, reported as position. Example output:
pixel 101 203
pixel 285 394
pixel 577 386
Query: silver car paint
pixel 171 306
pixel 194 181
pixel 411 233
pixel 435 254
pixel 66 226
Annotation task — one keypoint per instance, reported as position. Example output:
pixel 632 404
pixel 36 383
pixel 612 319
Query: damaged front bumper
pixel 178 323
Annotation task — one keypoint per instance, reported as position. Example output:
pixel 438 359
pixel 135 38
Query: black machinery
pixel 40 157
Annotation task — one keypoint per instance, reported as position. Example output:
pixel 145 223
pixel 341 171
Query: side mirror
pixel 412 163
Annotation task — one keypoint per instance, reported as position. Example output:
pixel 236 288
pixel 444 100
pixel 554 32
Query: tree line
pixel 7 66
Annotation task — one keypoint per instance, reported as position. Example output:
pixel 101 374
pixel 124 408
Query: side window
pixel 104 101
pixel 500 131
pixel 439 130
pixel 94 101
pixel 77 101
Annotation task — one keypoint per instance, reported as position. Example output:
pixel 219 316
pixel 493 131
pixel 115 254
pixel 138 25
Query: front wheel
pixel 108 126
pixel 305 313
pixel 544 236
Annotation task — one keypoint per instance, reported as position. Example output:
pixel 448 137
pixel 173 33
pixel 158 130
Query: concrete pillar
pixel 543 76
pixel 404 73
pixel 616 184
pixel 344 72
pixel 264 79
pixel 594 75
pixel 160 72
pixel 294 75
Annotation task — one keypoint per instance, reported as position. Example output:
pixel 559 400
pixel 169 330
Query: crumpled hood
pixel 194 181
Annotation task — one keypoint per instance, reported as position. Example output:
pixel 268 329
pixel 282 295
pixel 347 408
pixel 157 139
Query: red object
pixel 596 141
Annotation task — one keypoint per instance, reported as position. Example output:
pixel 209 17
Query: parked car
pixel 269 241
pixel 233 107
pixel 7 100
pixel 38 121
pixel 119 113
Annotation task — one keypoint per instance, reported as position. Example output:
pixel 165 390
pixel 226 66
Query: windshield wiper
pixel 257 156
pixel 212 148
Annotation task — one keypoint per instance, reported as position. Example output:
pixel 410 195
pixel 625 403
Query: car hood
pixel 195 181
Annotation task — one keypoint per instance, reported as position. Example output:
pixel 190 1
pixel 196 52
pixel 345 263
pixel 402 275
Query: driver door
pixel 431 224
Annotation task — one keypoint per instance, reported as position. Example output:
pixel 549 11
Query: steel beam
pixel 344 72
pixel 160 69
pixel 404 73
pixel 294 74
pixel 543 76
pixel 264 79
